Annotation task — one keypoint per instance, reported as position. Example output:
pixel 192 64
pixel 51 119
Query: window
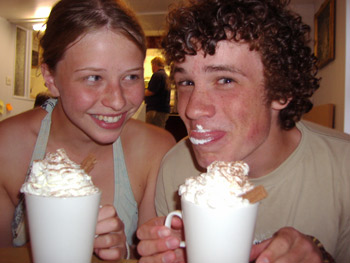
pixel 28 81
pixel 20 64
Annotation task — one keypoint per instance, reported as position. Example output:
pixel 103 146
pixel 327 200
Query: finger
pixel 151 247
pixel 111 253
pixel 257 249
pixel 106 211
pixel 113 224
pixel 278 246
pixel 167 257
pixel 176 223
pixel 110 240
pixel 155 228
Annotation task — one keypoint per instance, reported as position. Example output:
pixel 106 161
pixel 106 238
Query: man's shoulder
pixel 324 133
pixel 181 150
pixel 181 157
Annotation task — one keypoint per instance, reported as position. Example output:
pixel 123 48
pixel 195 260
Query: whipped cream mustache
pixel 58 176
pixel 222 186
pixel 200 141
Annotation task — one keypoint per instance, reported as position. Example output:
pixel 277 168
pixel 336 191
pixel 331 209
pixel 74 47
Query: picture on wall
pixel 324 33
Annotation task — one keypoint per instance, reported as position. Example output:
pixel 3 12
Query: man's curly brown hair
pixel 276 33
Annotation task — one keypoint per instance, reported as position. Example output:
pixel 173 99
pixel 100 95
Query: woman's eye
pixel 93 78
pixel 132 77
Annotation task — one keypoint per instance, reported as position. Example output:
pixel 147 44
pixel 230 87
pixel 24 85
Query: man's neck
pixel 279 146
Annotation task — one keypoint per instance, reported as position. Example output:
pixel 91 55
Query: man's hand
pixel 160 244
pixel 287 245
pixel 110 237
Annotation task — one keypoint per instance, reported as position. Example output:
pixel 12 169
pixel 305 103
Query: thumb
pixel 258 249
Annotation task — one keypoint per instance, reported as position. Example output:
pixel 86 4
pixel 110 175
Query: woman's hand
pixel 110 241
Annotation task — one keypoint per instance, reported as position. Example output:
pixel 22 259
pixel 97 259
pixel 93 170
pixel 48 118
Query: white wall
pixel 335 84
pixel 7 60
pixel 332 89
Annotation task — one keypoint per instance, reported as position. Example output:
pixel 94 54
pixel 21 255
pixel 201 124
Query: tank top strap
pixel 124 200
pixel 43 136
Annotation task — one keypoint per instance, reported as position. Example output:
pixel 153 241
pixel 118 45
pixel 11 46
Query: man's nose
pixel 199 105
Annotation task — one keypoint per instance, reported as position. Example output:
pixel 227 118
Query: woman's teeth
pixel 200 141
pixel 108 119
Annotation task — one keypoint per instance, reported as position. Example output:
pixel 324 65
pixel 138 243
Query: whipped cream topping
pixel 221 186
pixel 58 176
pixel 196 141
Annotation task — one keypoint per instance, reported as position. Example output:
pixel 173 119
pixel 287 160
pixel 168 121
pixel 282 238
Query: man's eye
pixel 225 81
pixel 185 83
pixel 93 78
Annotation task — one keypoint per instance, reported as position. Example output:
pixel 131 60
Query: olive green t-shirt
pixel 309 191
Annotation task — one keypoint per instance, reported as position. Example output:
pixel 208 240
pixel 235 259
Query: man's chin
pixel 205 159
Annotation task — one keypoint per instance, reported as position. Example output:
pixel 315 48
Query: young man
pixel 244 76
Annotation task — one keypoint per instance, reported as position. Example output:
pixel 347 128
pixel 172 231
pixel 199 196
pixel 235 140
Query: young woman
pixel 92 61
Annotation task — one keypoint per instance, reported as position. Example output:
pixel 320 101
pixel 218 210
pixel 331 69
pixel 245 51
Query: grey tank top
pixel 124 201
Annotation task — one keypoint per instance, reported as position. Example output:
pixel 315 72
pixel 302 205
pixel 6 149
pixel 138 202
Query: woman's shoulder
pixel 143 131
pixel 150 137
pixel 22 124
pixel 18 136
pixel 21 130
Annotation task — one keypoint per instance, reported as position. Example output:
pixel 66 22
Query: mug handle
pixel 168 219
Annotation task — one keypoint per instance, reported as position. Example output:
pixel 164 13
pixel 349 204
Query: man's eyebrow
pixel 213 68
pixel 228 68
pixel 178 70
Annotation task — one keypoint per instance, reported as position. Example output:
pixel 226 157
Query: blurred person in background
pixel 157 95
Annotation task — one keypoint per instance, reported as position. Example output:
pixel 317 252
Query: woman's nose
pixel 114 97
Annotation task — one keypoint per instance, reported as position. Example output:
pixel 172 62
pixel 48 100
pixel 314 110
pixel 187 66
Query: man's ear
pixel 280 104
pixel 49 80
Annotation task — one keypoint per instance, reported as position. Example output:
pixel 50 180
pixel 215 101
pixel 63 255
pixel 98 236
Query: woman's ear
pixel 49 80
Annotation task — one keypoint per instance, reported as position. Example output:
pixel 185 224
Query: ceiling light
pixel 39 27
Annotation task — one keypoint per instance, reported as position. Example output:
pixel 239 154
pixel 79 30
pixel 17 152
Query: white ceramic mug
pixel 62 229
pixel 216 235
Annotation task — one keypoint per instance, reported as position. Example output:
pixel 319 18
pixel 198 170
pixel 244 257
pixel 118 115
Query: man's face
pixel 222 103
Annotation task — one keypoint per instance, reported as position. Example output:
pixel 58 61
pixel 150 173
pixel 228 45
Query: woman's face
pixel 100 83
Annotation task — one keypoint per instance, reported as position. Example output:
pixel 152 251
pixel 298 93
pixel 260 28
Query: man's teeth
pixel 108 118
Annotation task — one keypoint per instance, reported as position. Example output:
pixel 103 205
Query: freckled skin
pixel 225 95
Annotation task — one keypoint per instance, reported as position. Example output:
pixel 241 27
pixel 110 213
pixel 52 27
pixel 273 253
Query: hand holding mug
pixel 110 240
pixel 159 243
